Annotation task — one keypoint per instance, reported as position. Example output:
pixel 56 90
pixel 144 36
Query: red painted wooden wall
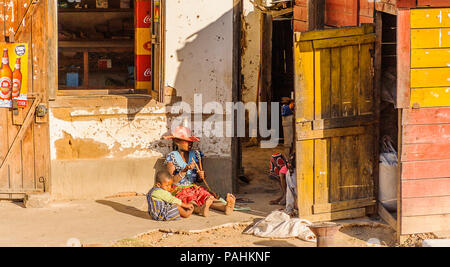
pixel 338 13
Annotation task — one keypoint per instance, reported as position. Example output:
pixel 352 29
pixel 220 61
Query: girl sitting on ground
pixel 162 205
pixel 186 167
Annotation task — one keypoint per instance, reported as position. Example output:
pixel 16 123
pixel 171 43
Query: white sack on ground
pixel 280 225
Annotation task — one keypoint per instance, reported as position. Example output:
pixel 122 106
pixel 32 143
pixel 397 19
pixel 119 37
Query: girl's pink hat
pixel 182 133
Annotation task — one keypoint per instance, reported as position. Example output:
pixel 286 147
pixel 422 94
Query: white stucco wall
pixel 251 51
pixel 199 48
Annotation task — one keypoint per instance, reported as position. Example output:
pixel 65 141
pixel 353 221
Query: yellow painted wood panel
pixel 434 77
pixel 345 41
pixel 321 171
pixel 430 38
pixel 430 18
pixel 335 33
pixel 431 97
pixel 322 84
pixel 366 94
pixel 430 58
pixel 305 177
pixel 304 78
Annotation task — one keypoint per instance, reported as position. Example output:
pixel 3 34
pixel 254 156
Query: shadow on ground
pixel 130 210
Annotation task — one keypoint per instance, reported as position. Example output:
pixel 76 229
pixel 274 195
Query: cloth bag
pixel 280 225
pixel 388 175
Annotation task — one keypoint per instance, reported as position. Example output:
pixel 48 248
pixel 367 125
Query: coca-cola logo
pixel 148 46
pixel 148 19
pixel 148 72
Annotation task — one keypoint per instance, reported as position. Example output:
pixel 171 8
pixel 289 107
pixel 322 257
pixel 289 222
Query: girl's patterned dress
pixel 186 189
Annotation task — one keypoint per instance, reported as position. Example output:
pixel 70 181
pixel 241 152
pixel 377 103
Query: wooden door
pixel 24 137
pixel 335 122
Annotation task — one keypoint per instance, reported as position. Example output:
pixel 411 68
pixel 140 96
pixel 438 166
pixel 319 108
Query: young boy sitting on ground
pixel 162 206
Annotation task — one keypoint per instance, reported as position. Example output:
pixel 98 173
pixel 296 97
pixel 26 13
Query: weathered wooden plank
pixel 343 122
pixel 415 152
pixel 403 58
pixel 430 38
pixel 385 215
pixel 322 84
pixel 318 134
pixel 430 97
pixel 343 205
pixel 339 215
pixel 426 134
pixel 426 206
pixel 349 168
pixel 426 116
pixel 335 169
pixel 426 169
pixel 305 177
pixel 11 17
pixel 430 18
pixel 433 77
pixel 336 102
pixel 4 176
pixel 344 41
pixel 425 224
pixel 347 82
pixel 425 188
pixel 430 58
pixel 366 94
pixel 28 167
pixel 304 79
pixel 367 163
pixel 336 33
pixel 321 171
pixel 14 157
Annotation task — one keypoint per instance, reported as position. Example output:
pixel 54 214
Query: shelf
pixel 98 46
pixel 95 10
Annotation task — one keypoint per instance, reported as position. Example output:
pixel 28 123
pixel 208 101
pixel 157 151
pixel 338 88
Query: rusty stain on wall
pixel 69 148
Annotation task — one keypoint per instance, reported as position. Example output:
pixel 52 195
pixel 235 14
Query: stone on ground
pixel 36 200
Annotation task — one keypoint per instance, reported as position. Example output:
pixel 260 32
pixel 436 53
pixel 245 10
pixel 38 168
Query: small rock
pixel 39 200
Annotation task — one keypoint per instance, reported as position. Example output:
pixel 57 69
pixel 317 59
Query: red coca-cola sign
pixel 143 14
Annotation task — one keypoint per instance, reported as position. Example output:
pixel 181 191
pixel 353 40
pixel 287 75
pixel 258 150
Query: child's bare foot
pixel 231 200
pixel 205 208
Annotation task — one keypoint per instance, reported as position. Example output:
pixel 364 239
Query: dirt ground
pixel 351 236
pixel 255 162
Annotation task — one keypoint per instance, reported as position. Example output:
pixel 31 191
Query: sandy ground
pixel 349 236
pixel 104 222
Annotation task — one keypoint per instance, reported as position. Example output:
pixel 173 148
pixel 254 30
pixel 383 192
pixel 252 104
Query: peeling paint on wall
pixel 86 133
pixel 251 51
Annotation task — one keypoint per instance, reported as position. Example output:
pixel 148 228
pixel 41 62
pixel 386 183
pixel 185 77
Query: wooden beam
pixel 404 58
pixel 343 205
pixel 385 215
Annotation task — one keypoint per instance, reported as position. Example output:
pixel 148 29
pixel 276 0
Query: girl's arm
pixel 177 178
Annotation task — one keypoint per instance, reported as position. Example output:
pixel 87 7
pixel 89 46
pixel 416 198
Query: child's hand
pixel 201 175
pixel 187 206
pixel 189 167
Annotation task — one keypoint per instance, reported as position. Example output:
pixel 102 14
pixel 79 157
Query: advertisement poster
pixel 13 78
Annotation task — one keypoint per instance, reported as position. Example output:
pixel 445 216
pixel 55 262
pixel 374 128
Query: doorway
pixel 275 84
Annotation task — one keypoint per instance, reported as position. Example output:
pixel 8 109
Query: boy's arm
pixel 166 197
